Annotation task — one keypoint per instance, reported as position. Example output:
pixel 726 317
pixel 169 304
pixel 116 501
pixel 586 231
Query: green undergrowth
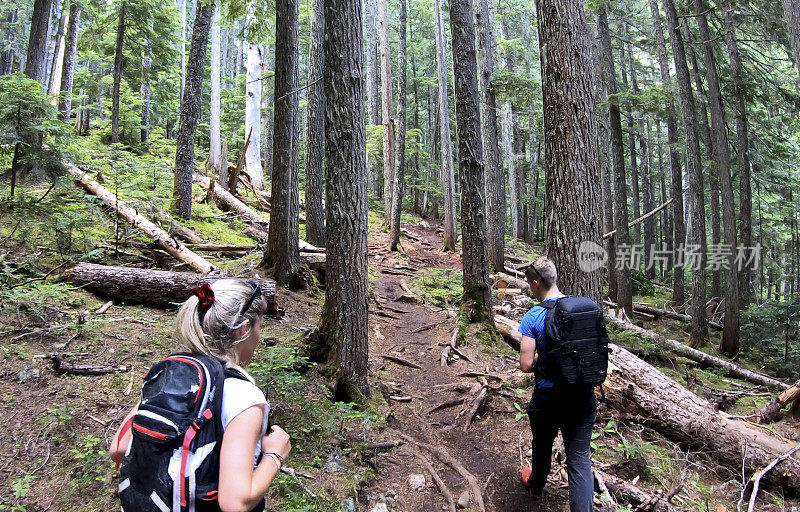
pixel 440 287
pixel 326 435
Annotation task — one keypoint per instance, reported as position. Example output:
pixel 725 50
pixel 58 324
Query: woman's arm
pixel 527 354
pixel 119 445
pixel 240 486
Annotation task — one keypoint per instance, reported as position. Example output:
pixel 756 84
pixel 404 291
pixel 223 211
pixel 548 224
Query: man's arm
pixel 527 354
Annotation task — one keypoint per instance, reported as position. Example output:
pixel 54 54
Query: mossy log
pixel 730 369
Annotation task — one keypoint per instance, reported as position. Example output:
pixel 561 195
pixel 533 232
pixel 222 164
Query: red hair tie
pixel 206 297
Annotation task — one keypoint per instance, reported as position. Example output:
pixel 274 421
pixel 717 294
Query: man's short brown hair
pixel 542 270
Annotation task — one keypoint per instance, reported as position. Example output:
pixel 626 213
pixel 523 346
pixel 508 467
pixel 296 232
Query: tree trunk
pixel 730 333
pixel 315 130
pixel 215 122
pixel 120 44
pixel 190 112
pixel 676 174
pixel 533 153
pixel 35 61
pixel 622 237
pixel 282 252
pixel 147 62
pixel 7 54
pixel 56 55
pixel 495 187
pixel 697 237
pixel 252 123
pixel 634 134
pixel 182 8
pixel 648 203
pixel 743 154
pixel 373 113
pixel 156 288
pixel 68 67
pixel 344 322
pixel 572 174
pixel 772 411
pixel 476 298
pixel 448 176
pixel 705 135
pixel 398 188
pixel 388 120
pixel 603 141
pixel 791 9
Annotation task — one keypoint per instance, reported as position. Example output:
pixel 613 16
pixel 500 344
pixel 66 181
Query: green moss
pixel 438 286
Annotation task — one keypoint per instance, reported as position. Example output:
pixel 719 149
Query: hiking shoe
pixel 527 473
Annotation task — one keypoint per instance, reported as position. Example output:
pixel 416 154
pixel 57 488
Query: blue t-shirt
pixel 532 326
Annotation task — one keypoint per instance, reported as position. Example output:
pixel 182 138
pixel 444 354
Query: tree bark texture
pixel 697 237
pixel 743 155
pixel 157 288
pixel 603 141
pixel 476 298
pixel 68 66
pixel 36 59
pixel 374 116
pixel 676 174
pixel 448 174
pixel 622 238
pixel 215 121
pixel 791 9
pixel 190 112
pixel 572 174
pixel 495 181
pixel 398 188
pixel 315 130
pixel 730 332
pixel 252 114
pixel 386 106
pixel 344 322
pixel 120 44
pixel 282 251
pixel 636 388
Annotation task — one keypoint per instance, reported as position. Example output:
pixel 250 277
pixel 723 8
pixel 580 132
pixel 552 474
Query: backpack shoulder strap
pixel 235 374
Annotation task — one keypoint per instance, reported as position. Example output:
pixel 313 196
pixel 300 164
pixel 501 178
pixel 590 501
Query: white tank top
pixel 239 395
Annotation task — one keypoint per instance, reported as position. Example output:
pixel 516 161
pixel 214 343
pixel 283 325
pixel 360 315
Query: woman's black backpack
pixel 576 342
pixel 173 460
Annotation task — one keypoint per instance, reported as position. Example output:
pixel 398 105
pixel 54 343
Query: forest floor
pixel 56 428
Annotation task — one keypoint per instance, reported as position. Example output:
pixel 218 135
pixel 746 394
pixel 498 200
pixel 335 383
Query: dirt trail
pixel 492 448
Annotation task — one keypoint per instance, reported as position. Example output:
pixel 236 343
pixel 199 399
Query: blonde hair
pixel 213 333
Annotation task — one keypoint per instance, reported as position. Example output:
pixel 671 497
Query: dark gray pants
pixel 573 412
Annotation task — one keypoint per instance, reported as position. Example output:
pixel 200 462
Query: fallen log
pixel 701 357
pixel 221 247
pixel 652 312
pixel 158 288
pixel 772 411
pixel 259 224
pixel 630 494
pixel 640 390
pixel 508 329
pixel 61 367
pixel 230 203
pixel 176 249
pixel 503 280
pixel 643 217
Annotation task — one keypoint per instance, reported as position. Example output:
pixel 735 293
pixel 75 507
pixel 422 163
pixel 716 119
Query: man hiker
pixel 564 343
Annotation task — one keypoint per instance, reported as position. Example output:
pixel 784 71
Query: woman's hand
pixel 277 441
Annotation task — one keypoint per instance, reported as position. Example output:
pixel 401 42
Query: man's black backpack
pixel 576 342
pixel 173 460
